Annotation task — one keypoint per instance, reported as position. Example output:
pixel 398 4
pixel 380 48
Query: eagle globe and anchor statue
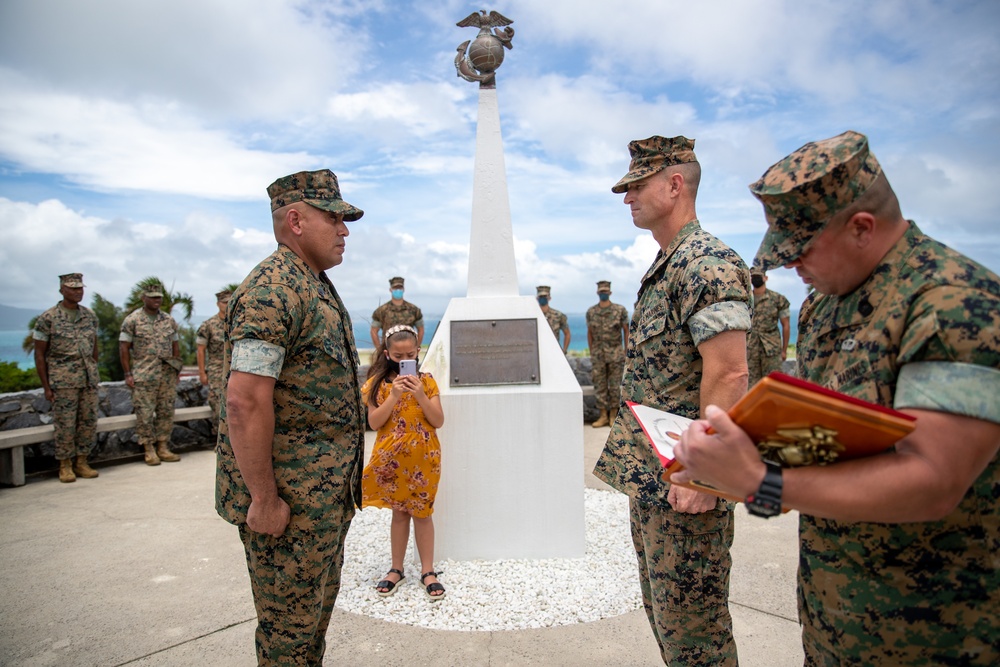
pixel 479 62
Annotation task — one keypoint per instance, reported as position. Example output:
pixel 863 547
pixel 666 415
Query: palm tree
pixel 170 298
pixel 28 344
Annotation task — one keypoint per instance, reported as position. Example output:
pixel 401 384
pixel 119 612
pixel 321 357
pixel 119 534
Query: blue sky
pixel 138 138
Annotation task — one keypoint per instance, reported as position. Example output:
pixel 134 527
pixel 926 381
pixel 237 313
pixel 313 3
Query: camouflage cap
pixel 652 155
pixel 316 188
pixel 223 295
pixel 71 280
pixel 756 271
pixel 543 290
pixel 604 286
pixel 152 290
pixel 802 192
pixel 396 281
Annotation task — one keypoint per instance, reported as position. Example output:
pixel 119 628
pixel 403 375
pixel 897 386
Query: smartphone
pixel 407 366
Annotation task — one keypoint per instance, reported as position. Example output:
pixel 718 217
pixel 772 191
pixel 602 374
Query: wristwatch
pixel 767 501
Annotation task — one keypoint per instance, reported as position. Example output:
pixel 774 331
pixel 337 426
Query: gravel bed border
pixel 504 594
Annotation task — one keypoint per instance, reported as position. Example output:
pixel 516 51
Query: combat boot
pixel 613 416
pixel 150 456
pixel 66 471
pixel 165 454
pixel 82 468
pixel 602 420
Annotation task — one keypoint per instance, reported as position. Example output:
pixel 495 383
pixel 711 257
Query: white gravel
pixel 505 594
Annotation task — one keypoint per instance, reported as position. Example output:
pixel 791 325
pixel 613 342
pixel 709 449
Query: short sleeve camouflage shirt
pixel 605 326
pixel 319 422
pixel 152 343
pixel 389 315
pixel 922 332
pixel 70 353
pixel 767 311
pixel 695 289
pixel 213 332
pixel 557 321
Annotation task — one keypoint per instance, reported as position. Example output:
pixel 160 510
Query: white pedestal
pixel 512 455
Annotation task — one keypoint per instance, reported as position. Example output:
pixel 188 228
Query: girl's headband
pixel 399 327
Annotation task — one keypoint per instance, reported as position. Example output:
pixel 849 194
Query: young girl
pixel 405 466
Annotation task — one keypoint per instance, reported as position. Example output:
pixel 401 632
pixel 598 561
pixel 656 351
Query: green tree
pixel 189 345
pixel 13 378
pixel 109 325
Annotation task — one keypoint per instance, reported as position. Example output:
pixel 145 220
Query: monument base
pixel 512 455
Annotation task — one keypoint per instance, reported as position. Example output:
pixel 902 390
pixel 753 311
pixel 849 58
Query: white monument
pixel 512 442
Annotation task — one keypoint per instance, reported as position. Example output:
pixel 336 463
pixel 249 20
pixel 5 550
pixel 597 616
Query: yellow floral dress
pixel 405 466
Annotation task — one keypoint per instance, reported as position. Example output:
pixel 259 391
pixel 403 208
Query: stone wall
pixel 30 408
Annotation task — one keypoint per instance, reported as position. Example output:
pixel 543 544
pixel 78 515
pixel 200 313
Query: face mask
pixel 397 294
pixel 543 301
pixel 757 281
pixel 393 365
pixel 603 296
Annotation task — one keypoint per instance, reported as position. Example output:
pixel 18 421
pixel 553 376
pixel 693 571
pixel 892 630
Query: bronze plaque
pixel 485 352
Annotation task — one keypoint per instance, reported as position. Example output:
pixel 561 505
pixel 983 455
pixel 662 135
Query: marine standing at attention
pixel 766 348
pixel 292 424
pixel 607 338
pixel 396 311
pixel 686 351
pixel 897 552
pixel 66 362
pixel 211 342
pixel 149 347
pixel 556 319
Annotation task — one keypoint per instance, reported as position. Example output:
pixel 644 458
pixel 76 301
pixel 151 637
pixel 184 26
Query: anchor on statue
pixel 485 55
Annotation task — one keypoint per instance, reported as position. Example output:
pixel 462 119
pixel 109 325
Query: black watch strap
pixel 767 501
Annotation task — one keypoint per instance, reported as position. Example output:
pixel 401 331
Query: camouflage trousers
pixel 153 403
pixel 759 363
pixel 214 399
pixel 74 414
pixel 607 380
pixel 295 579
pixel 684 565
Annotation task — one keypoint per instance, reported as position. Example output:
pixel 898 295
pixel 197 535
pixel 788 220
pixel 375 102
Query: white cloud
pixel 111 146
pixel 233 60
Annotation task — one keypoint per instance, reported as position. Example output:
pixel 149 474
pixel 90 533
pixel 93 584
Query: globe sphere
pixel 486 53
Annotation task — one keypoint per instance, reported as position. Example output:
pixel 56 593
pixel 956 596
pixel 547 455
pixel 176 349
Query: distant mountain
pixel 12 319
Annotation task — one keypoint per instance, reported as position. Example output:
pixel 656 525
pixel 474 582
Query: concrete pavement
pixel 135 568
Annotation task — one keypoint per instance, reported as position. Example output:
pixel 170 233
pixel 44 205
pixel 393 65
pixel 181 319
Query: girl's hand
pixel 413 384
pixel 399 385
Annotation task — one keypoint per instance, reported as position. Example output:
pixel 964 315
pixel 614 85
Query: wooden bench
pixel 12 442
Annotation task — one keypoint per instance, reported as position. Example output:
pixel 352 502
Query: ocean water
pixel 10 348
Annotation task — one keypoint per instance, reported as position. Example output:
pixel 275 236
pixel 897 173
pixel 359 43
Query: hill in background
pixel 12 319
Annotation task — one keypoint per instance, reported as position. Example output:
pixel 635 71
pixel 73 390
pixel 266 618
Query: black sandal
pixel 433 588
pixel 390 586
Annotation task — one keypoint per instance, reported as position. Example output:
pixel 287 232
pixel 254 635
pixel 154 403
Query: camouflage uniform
pixel 212 334
pixel 922 332
pixel 557 321
pixel 389 315
pixel 607 354
pixel 155 388
pixel 695 289
pixel 764 340
pixel 73 376
pixel 286 310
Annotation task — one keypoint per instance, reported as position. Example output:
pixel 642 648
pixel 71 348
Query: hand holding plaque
pixel 793 423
